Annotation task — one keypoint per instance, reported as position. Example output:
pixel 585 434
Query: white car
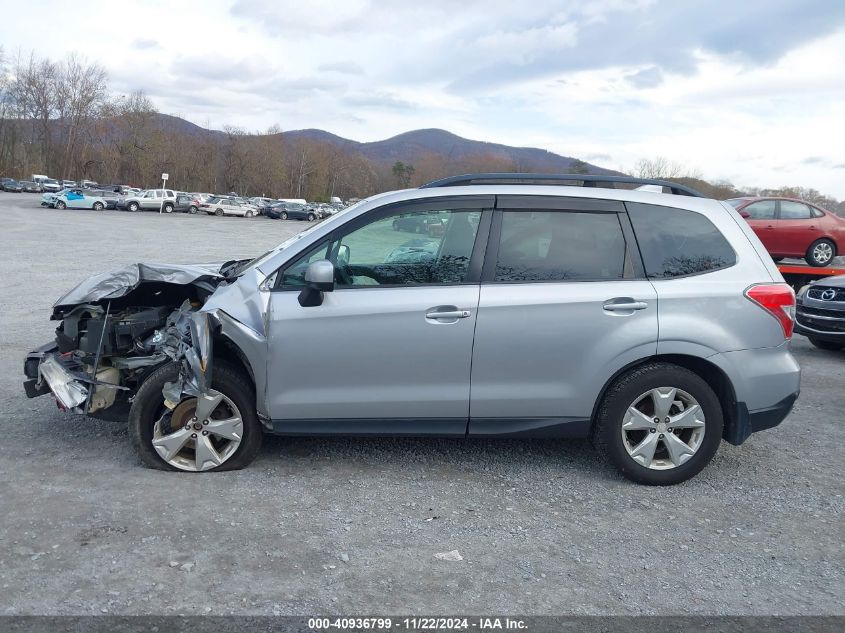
pixel 80 199
pixel 48 198
pixel 218 205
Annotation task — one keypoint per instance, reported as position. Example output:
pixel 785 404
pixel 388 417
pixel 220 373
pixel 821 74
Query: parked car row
pixel 169 201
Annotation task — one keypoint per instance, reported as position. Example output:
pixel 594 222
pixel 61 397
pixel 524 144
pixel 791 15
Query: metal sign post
pixel 164 178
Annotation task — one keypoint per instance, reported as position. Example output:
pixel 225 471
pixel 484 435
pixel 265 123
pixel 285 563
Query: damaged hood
pixel 124 280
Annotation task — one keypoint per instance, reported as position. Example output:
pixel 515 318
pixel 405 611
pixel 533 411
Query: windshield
pixel 235 272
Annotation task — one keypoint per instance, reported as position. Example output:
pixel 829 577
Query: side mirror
pixel 342 255
pixel 744 214
pixel 319 278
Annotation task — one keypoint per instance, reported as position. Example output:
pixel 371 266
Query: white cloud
pixel 610 79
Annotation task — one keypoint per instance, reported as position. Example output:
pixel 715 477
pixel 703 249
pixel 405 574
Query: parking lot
pixel 352 525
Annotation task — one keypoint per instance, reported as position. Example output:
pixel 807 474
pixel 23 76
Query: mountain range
pixel 414 146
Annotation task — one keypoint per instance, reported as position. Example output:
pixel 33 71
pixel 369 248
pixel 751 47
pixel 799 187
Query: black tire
pixel 60 205
pixel 192 210
pixel 168 208
pixel 133 206
pixel 98 206
pixel 284 215
pixel 828 345
pixel 812 257
pixel 218 212
pixel 311 217
pixel 148 406
pixel 607 428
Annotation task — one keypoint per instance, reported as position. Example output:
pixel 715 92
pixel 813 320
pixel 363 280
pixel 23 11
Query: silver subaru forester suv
pixel 650 320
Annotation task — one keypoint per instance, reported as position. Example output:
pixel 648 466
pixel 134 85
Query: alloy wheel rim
pixel 823 252
pixel 200 433
pixel 663 428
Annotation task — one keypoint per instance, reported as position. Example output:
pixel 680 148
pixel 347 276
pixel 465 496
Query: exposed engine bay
pixel 116 329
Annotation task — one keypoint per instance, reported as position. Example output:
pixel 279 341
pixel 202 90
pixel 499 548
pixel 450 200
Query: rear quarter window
pixel 677 242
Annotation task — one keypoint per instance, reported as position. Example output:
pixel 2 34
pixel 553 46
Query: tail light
pixel 778 300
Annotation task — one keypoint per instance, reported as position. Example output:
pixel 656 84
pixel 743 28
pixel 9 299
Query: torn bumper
pixel 46 374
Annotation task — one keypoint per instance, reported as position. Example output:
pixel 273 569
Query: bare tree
pixel 80 93
pixel 660 167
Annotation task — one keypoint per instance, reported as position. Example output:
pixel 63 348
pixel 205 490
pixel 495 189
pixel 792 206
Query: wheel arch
pixel 709 372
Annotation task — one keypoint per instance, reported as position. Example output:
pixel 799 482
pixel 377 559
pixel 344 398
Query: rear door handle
pixel 624 305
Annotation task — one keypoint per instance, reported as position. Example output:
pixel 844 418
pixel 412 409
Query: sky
pixel 748 91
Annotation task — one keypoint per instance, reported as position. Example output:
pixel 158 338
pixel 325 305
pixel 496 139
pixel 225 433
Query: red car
pixel 794 228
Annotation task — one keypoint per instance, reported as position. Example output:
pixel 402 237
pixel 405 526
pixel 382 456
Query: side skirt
pixel 437 427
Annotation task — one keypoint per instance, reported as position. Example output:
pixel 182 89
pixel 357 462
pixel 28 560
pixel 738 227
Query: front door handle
pixel 446 312
pixel 624 304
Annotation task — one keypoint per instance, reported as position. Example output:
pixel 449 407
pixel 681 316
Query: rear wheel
pixel 311 217
pixel 218 212
pixel 284 215
pixel 98 206
pixel 821 253
pixel 60 204
pixel 659 424
pixel 249 214
pixel 828 345
pixel 192 209
pixel 168 208
pixel 219 431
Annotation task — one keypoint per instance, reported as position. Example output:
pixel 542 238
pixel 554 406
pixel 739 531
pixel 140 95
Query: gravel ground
pixel 352 526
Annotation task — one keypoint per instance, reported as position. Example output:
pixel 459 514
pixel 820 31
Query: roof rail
pixel 586 180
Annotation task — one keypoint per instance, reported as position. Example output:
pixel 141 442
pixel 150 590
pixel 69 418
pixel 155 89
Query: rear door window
pixel 543 246
pixel 791 210
pixel 678 242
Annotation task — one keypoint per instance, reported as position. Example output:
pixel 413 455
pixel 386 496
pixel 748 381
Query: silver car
pixel 149 200
pixel 652 322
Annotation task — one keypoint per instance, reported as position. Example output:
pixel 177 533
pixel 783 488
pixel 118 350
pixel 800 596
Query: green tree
pixel 403 174
pixel 578 166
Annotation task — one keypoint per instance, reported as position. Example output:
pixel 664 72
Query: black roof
pixel 582 180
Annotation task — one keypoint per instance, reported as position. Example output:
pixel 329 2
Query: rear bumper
pixel 766 382
pixel 748 422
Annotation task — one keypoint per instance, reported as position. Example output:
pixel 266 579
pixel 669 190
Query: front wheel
pixel 60 205
pixel 248 214
pixel 828 345
pixel 218 431
pixel 133 206
pixel 284 215
pixel 820 253
pixel 659 424
pixel 218 212
pixel 311 217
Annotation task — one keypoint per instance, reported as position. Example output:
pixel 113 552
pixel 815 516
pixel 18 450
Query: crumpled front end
pixel 116 329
